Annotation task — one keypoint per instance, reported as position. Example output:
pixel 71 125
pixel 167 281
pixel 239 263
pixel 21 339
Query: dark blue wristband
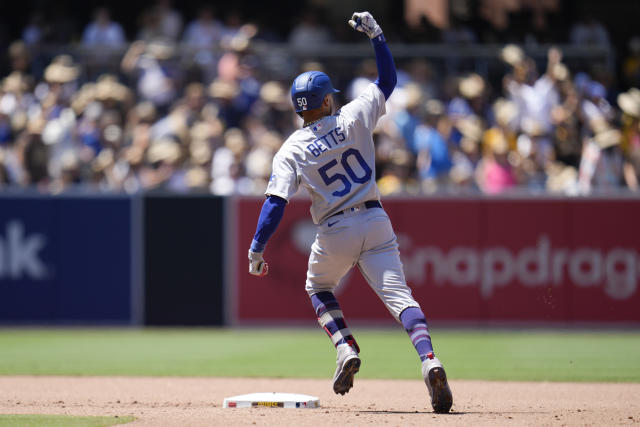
pixel 378 39
pixel 257 246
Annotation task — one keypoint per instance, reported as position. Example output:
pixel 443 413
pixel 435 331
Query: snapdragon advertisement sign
pixel 539 265
pixel 476 260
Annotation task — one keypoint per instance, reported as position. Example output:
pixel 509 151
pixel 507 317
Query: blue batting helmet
pixel 309 89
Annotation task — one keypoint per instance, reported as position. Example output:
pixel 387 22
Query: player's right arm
pixel 282 185
pixel 367 108
pixel 387 77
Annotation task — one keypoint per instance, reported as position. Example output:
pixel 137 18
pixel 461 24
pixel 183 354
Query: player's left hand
pixel 364 22
pixel 257 265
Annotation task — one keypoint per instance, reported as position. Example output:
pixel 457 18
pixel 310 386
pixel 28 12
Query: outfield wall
pixel 66 260
pixel 160 259
pixel 474 260
pixel 93 259
pixel 184 265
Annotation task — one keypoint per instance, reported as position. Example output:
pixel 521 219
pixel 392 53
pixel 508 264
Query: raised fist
pixel 364 22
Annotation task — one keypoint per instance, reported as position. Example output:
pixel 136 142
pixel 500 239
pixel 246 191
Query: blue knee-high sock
pixel 331 319
pixel 415 324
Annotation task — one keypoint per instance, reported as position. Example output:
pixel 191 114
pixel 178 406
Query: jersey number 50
pixel 344 161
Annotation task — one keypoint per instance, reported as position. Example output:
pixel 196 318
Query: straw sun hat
pixel 61 70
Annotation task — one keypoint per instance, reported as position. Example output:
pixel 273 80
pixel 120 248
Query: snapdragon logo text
pixel 616 269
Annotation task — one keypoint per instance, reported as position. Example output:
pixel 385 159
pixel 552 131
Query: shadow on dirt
pixel 452 412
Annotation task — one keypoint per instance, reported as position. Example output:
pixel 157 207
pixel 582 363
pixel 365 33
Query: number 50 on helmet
pixel 309 89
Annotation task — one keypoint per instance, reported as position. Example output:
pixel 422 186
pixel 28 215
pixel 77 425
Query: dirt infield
pixel 198 402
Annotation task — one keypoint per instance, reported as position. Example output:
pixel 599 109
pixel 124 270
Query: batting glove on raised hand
pixel 364 22
pixel 257 266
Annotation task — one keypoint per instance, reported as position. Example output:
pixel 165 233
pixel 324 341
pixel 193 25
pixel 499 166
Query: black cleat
pixel 436 380
pixel 348 365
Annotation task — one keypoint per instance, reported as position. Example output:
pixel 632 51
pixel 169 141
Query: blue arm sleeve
pixel 270 216
pixel 387 77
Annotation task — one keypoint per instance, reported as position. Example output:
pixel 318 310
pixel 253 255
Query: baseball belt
pixel 369 204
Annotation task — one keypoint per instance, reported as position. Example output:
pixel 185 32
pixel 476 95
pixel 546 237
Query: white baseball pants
pixel 362 237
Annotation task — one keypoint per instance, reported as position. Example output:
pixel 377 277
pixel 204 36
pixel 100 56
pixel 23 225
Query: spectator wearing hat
pixel 601 165
pixel 505 122
pixel 66 172
pixel 534 155
pixel 227 166
pixel 468 102
pixel 88 129
pixel 272 110
pixel 112 94
pixel 495 172
pixel 200 145
pixel 629 103
pixel 131 167
pixel 565 119
pixel 101 108
pixel 594 106
pixel 61 77
pixel 466 155
pixel 408 118
pixel 535 97
pixel 223 94
pixel 164 167
pixel 156 72
pixel 32 156
pixel 102 176
pixel 16 101
pixel 238 67
pixel 258 160
pixel 174 125
pixel 470 98
pixel 57 117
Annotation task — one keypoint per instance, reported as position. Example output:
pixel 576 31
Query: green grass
pixel 386 353
pixel 60 421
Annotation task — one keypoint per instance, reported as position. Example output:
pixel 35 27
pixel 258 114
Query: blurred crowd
pixel 542 131
pixel 214 123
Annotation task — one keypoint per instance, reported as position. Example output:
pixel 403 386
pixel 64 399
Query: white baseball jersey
pixel 333 158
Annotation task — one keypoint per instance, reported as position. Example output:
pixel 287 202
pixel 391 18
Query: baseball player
pixel 332 157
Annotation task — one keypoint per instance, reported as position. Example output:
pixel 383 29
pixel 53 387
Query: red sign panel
pixel 470 260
